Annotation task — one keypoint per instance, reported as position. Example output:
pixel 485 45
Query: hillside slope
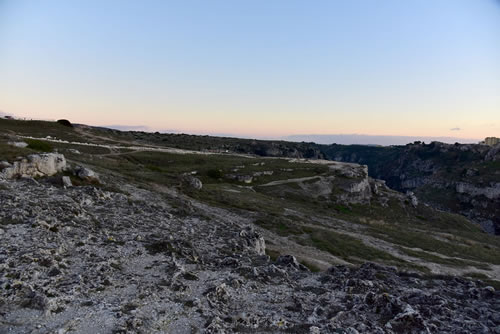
pixel 458 178
pixel 170 240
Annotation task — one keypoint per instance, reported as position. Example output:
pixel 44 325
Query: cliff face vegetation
pixel 115 232
pixel 461 178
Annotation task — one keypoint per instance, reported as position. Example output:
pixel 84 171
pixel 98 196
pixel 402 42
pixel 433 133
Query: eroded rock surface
pixel 35 165
pixel 84 260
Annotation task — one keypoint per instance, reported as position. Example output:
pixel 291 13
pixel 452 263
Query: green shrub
pixel 154 168
pixel 39 145
pixel 215 173
pixel 65 122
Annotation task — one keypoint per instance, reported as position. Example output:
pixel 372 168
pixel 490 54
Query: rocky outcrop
pixel 190 181
pixel 493 154
pixel 354 182
pixel 491 192
pixel 344 183
pixel 253 240
pixel 461 178
pixel 35 165
pixel 84 260
pixel 412 198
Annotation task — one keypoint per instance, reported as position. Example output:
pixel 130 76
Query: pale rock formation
pixel 253 240
pixel 491 192
pixel 19 144
pixel 413 199
pixel 35 165
pixel 66 181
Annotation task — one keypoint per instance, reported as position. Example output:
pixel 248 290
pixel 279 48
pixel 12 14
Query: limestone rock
pixel 5 164
pixel 290 261
pixel 253 240
pixel 86 174
pixel 86 260
pixel 35 165
pixel 491 192
pixel 190 181
pixel 66 181
pixel 20 144
pixel 413 199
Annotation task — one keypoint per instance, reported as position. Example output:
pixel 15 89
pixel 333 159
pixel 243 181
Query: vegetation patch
pixel 441 260
pixel 422 240
pixel 39 145
pixel 312 267
pixel 272 254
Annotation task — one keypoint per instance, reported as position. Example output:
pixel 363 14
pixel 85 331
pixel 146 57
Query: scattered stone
pixel 74 151
pixel 66 181
pixel 253 240
pixel 5 164
pixel 290 261
pixel 413 199
pixel 93 261
pixel 189 181
pixel 54 271
pixel 86 174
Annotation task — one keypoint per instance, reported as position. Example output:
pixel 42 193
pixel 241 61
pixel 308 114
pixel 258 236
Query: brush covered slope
pixel 174 241
pixel 460 178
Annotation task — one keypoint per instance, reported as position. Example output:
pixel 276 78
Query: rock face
pixel 491 192
pixel 35 165
pixel 345 183
pixel 459 178
pixel 84 260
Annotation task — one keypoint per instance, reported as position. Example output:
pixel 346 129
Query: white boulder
pixel 35 165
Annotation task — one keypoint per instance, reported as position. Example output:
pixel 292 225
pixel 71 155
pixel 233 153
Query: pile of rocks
pixel 84 260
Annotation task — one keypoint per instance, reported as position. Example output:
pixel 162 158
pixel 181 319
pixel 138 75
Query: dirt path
pixel 137 148
pixel 280 182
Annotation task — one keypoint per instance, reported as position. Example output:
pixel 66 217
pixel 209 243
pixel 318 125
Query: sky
pixel 261 68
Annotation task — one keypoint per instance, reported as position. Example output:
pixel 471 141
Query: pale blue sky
pixel 263 68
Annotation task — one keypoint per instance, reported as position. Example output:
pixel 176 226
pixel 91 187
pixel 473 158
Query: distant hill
pixel 359 139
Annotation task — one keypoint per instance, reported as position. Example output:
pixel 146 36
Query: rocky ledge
pixel 84 260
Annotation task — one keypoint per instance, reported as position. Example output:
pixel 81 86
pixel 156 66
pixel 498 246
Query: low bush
pixel 215 173
pixel 39 145
pixel 65 122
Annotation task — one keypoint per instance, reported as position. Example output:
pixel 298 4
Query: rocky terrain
pixel 460 178
pixel 439 174
pixel 83 260
pixel 122 237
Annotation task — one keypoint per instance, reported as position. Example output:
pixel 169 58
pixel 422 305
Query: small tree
pixel 65 122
